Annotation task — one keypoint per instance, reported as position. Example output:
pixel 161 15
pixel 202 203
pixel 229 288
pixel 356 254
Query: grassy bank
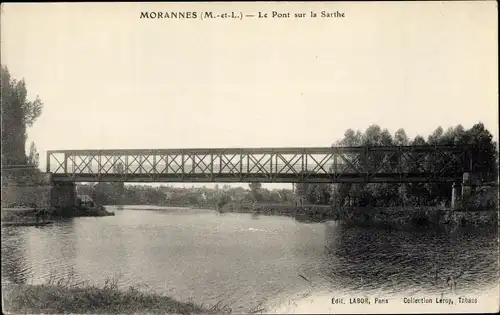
pixel 64 298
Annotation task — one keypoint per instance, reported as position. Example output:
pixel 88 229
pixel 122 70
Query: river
pixel 247 261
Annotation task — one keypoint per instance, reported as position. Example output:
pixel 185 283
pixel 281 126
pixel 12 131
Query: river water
pixel 246 261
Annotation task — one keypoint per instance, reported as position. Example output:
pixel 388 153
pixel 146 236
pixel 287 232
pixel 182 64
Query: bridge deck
pixel 268 165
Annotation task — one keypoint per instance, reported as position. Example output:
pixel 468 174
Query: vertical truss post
pixel 65 163
pixel 335 166
pixel 276 166
pixel 367 168
pixel 302 170
pixel 193 158
pixel 71 165
pixel 306 162
pixel 212 177
pixel 271 165
pixel 155 171
pixel 303 174
pixel 471 161
pixel 99 164
pixel 399 165
pixel 47 162
pixel 432 164
pixel 182 164
pixel 241 165
pixel 275 163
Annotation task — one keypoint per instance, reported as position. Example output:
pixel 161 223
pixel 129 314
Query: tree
pixel 351 138
pixel 485 156
pixel 436 136
pixel 17 114
pixel 400 137
pixel 255 190
pixel 419 140
pixel 33 156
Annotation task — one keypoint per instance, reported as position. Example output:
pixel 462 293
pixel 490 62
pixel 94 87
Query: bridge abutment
pixel 29 187
pixel 26 186
pixel 63 195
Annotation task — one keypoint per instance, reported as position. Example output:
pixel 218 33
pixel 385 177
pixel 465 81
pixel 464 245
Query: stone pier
pixel 26 186
pixel 63 195
pixel 30 187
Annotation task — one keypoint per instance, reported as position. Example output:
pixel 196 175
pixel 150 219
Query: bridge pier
pixel 460 190
pixel 63 195
pixel 455 195
pixel 466 185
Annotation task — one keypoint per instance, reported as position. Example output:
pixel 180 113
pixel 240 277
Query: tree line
pixel 168 195
pixel 485 156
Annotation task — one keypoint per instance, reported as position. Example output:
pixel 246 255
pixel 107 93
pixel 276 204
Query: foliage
pixel 382 194
pixel 119 194
pixel 312 193
pixel 255 188
pixel 33 156
pixel 18 113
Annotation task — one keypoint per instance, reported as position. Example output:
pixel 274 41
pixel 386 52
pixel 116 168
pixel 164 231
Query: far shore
pixel 397 217
pixel 400 217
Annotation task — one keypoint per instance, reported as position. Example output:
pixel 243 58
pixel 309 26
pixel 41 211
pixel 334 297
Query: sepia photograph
pixel 250 157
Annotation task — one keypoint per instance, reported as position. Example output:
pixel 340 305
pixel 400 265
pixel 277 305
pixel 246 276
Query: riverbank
pixel 410 217
pixel 35 217
pixel 88 299
pixel 390 217
pixel 399 217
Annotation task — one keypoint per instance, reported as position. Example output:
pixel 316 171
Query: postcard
pixel 250 157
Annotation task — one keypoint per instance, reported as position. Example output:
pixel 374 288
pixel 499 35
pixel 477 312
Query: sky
pixel 111 80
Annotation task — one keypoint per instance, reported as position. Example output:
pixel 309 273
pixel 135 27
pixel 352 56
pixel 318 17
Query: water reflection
pixel 13 249
pixel 393 261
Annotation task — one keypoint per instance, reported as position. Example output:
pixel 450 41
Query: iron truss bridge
pixel 401 164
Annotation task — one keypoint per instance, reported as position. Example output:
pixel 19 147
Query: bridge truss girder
pixel 267 165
